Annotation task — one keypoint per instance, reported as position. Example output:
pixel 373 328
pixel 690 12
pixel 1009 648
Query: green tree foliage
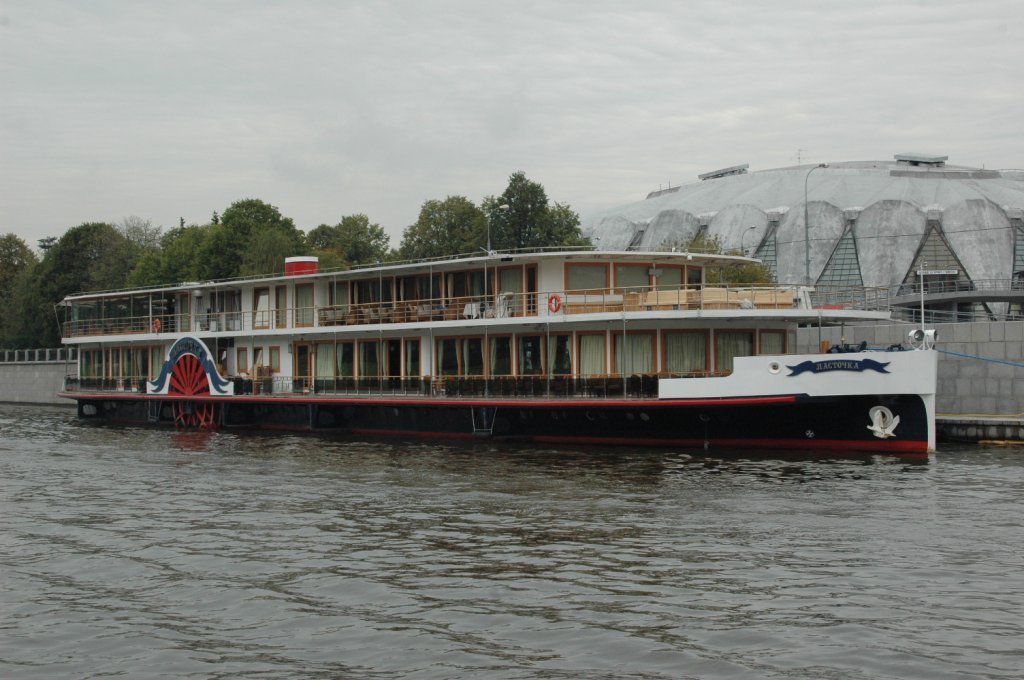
pixel 175 260
pixel 225 250
pixel 454 225
pixel 89 257
pixel 522 218
pixel 353 240
pixel 16 260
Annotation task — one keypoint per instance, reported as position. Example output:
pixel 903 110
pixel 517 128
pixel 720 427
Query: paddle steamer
pixel 573 346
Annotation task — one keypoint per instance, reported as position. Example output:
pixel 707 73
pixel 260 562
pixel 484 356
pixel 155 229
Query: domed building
pixel 862 223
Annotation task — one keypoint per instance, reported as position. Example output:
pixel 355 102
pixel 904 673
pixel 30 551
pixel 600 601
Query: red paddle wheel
pixel 188 378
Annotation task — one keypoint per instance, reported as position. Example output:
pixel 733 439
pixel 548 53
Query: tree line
pixel 252 237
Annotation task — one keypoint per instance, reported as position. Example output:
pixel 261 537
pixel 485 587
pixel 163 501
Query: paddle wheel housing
pixel 188 379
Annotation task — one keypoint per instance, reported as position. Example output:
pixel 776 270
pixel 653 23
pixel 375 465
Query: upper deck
pixel 491 289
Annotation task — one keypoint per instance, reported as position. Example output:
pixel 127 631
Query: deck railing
pixel 497 306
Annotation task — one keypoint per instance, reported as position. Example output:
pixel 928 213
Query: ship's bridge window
pixel 631 276
pixel 591 276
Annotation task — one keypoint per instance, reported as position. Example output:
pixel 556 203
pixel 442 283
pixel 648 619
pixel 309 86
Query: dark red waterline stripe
pixel 413 401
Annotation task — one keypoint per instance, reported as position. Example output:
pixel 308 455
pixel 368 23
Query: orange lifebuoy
pixel 555 303
pixel 156 325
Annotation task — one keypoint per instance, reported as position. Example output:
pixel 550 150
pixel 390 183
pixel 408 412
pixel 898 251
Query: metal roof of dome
pixel 848 184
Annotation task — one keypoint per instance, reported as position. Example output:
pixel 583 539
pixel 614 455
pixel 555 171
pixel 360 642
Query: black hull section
pixel 821 424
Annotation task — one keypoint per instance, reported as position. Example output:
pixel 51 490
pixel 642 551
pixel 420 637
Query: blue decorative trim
pixel 197 348
pixel 855 365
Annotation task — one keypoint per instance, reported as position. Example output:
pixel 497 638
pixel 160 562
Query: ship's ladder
pixel 483 420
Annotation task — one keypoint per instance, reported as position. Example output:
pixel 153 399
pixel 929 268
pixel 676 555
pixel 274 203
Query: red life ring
pixel 156 325
pixel 555 303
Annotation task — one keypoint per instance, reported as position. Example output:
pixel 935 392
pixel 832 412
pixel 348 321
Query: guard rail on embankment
pixel 34 376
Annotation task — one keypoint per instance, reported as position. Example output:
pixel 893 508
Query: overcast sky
pixel 168 110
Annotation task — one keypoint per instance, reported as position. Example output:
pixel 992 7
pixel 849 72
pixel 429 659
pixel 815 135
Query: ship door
pixel 302 369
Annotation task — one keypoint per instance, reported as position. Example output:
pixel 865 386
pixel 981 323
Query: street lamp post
pixel 807 227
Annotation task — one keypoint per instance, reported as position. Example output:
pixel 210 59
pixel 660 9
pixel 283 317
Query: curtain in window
pixel 472 356
pixel 369 363
pixel 501 356
pixel 732 344
pixel 511 281
pixel 671 278
pixel 325 360
pixel 631 276
pixel 345 360
pixel 303 305
pixel 412 358
pixel 772 342
pixel 685 352
pixel 530 362
pixel 261 307
pixel 448 356
pixel 592 355
pixel 559 357
pixel 587 277
pixel 637 356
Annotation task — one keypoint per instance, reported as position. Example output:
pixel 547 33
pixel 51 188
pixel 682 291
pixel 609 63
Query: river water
pixel 145 553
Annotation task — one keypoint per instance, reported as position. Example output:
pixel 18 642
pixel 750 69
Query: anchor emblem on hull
pixel 883 423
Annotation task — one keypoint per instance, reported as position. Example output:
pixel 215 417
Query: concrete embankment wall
pixel 32 383
pixel 981 372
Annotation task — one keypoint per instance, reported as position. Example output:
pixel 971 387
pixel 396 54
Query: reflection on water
pixel 152 553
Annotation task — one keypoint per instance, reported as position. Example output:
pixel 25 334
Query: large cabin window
pixel 281 306
pixel 732 344
pixel 670 278
pixel 510 291
pixel 339 294
pixel 304 304
pixel 501 355
pixel 635 355
pixel 448 356
pixel 560 354
pixel 324 360
pixel 345 357
pixel 393 358
pixel 592 354
pixel 261 308
pixel 242 360
pixel 590 277
pixel 772 342
pixel 530 360
pixel 472 356
pixel 412 358
pixel 631 277
pixel 685 351
pixel 369 359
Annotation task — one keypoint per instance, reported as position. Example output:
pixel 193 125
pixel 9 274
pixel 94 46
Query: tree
pixel 449 227
pixel 89 257
pixel 16 258
pixel 263 256
pixel 141 232
pixel 354 239
pixel 228 242
pixel 522 218
pixel 175 260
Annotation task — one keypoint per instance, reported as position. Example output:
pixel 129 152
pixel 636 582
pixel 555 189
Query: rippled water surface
pixel 153 554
